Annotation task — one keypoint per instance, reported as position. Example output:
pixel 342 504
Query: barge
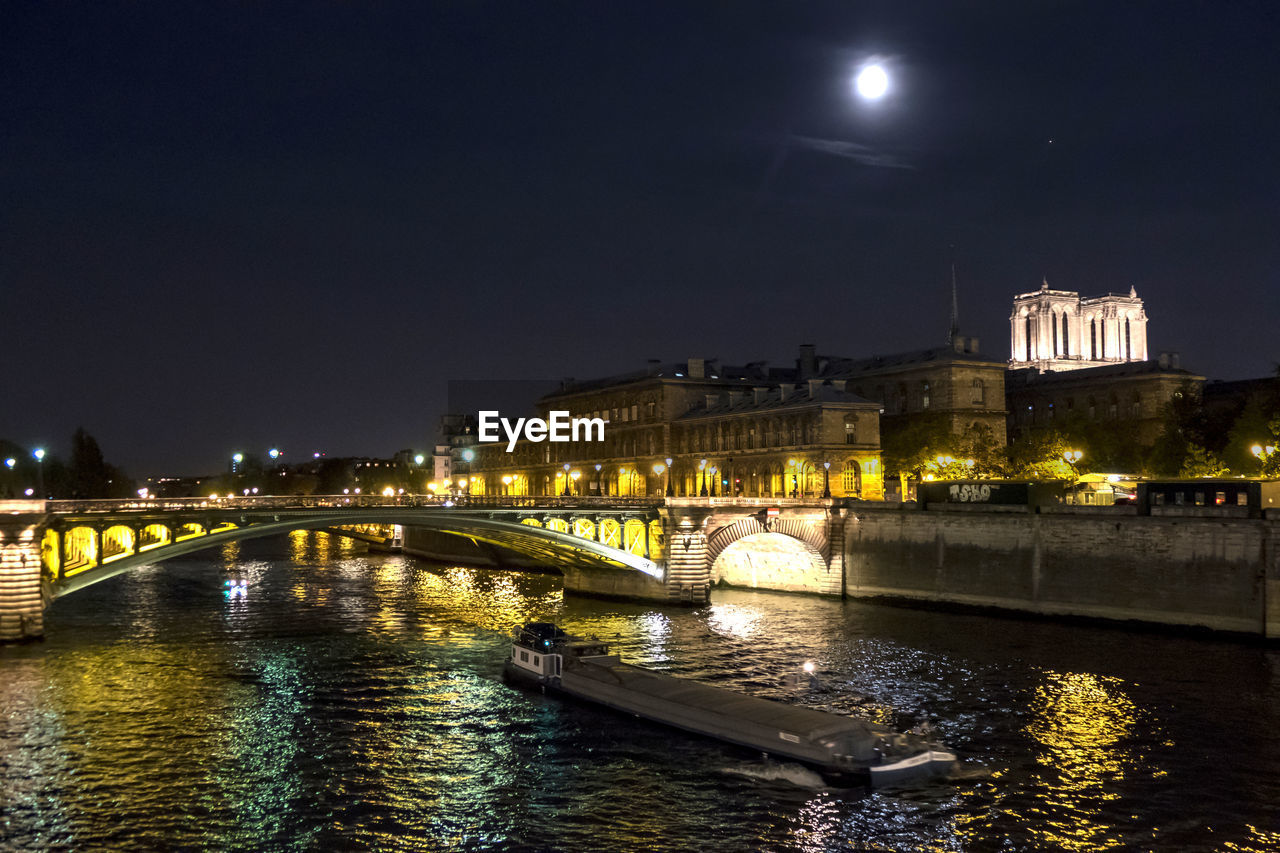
pixel 843 749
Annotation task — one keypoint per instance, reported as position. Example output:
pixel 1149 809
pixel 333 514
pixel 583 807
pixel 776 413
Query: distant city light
pixel 274 453
pixel 11 462
pixel 39 454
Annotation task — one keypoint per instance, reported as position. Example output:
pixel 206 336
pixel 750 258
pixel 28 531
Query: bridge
pixel 668 550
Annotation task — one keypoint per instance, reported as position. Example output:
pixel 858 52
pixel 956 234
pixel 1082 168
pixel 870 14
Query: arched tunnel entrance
pixel 771 561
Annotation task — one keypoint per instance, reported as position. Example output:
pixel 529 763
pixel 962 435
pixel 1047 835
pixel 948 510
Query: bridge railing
pixel 345 501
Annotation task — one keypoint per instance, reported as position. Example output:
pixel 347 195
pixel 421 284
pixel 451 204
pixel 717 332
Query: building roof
pixel 838 367
pixel 1026 376
pixel 774 399
pixel 713 371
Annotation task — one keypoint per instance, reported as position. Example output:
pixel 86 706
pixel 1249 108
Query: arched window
pixel 1093 408
pixel 1066 339
pixel 1113 408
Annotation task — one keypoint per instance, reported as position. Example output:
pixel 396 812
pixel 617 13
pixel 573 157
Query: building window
pixel 649 409
pixel 850 430
pixel 851 479
pixel 635 412
pixel 978 393
pixel 924 395
pixel 751 438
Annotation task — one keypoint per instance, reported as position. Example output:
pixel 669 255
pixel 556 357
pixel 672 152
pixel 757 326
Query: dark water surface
pixel 354 701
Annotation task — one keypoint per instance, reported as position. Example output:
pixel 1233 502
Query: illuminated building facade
pixel 1060 330
pixel 953 386
pixel 697 429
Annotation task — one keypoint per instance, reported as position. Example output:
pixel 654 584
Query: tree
pixel 1200 462
pixel 1038 455
pixel 89 475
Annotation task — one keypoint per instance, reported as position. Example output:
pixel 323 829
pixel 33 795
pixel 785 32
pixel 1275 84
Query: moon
pixel 872 82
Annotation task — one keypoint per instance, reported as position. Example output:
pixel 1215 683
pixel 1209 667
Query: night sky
pixel 229 226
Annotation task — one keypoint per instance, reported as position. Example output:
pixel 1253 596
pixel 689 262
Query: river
pixel 353 700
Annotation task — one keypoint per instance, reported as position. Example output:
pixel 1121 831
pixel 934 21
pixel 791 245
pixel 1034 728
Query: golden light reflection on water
pixel 488 599
pixel 1080 720
pixel 1259 841
pixel 734 620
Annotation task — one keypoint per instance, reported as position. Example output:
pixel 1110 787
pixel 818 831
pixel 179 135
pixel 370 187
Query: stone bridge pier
pixel 21 597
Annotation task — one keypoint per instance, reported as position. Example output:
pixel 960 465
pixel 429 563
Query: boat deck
pixel 607 677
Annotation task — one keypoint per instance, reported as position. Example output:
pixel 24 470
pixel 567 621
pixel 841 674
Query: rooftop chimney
pixel 760 394
pixel 697 368
pixel 808 360
pixel 785 389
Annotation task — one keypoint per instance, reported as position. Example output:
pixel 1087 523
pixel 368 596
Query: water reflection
pixel 1080 720
pixel 354 701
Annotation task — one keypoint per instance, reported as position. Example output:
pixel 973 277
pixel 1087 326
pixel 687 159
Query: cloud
pixel 863 154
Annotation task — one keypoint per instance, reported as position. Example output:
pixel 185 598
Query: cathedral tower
pixel 1059 330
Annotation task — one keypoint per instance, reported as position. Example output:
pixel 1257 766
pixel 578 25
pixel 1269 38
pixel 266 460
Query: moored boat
pixel 841 748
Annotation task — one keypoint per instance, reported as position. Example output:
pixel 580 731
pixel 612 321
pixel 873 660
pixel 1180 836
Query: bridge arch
pixel 796 528
pixel 772 561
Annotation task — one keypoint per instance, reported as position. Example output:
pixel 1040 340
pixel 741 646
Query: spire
pixel 955 309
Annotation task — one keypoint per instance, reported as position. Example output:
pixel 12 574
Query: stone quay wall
pixel 1192 569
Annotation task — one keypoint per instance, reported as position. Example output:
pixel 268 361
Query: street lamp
pixel 1071 457
pixel 795 477
pixel 658 468
pixel 39 455
pixel 598 488
pixel 702 479
pixel 567 493
pixel 826 479
pixel 9 463
pixel 713 474
pixel 671 492
pixel 506 484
